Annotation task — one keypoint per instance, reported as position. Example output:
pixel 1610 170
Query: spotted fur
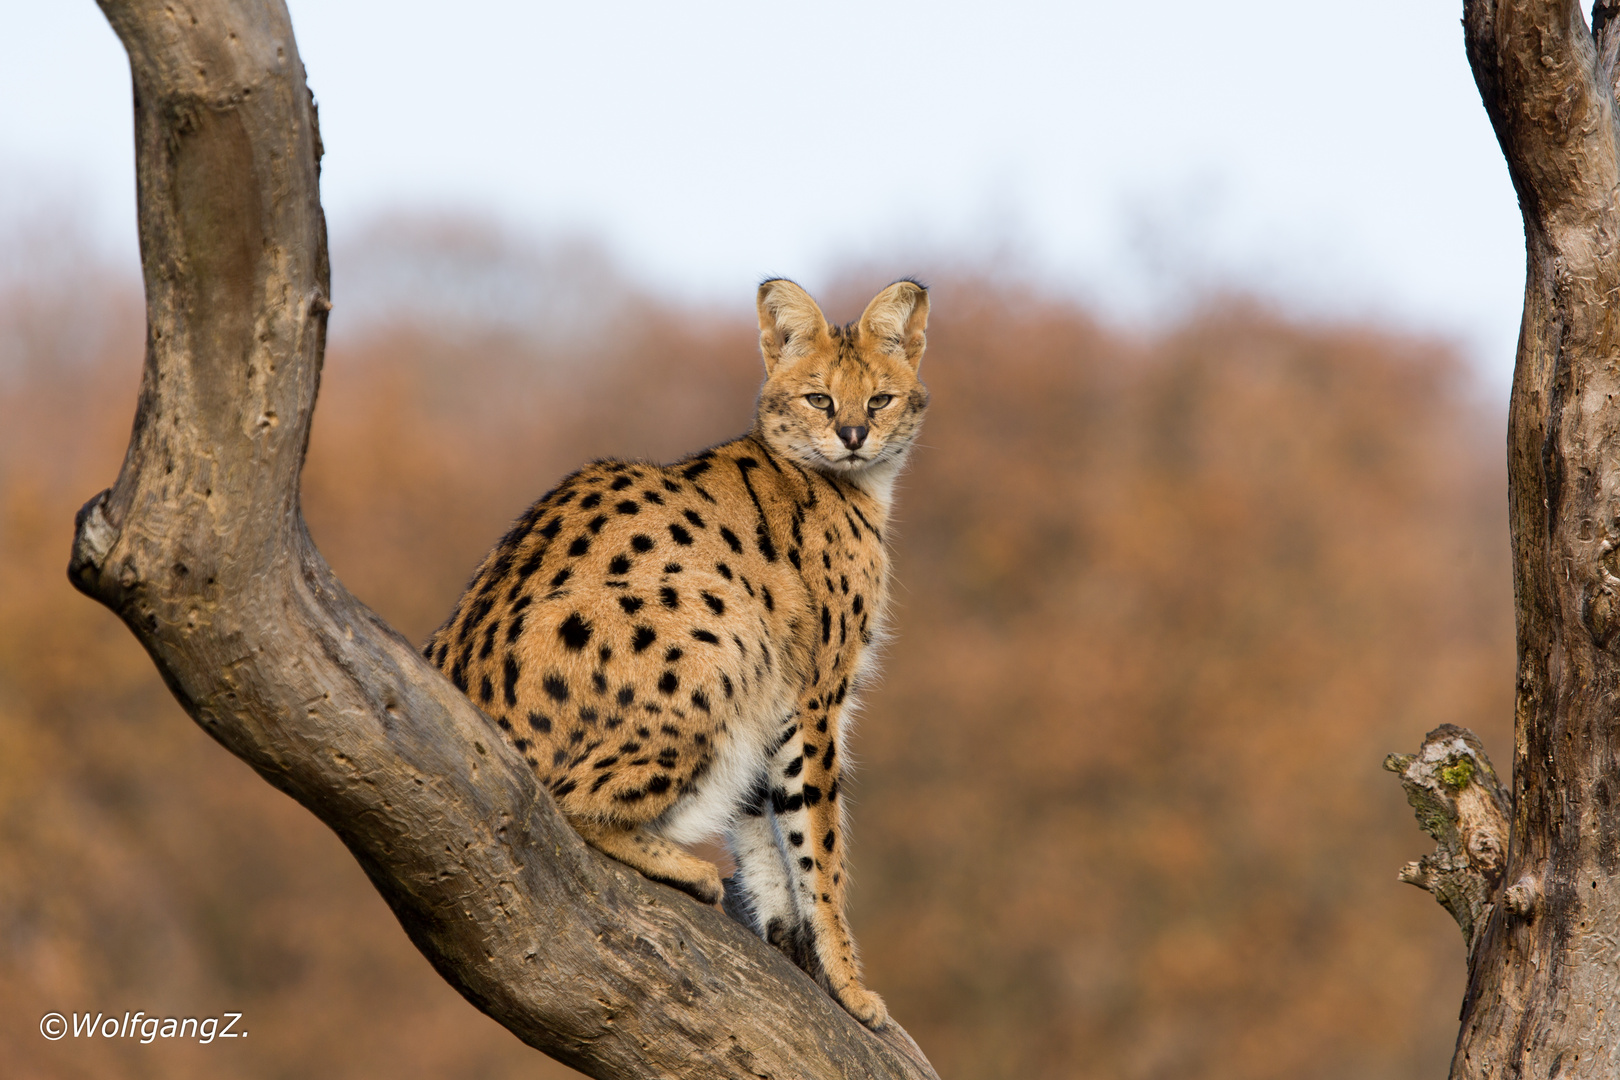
pixel 676 649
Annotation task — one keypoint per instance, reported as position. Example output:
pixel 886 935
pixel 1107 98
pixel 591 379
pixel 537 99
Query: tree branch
pixel 1538 72
pixel 1459 801
pixel 1541 973
pixel 201 548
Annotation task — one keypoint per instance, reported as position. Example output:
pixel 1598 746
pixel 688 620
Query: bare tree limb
pixel 1542 974
pixel 1453 788
pixel 201 548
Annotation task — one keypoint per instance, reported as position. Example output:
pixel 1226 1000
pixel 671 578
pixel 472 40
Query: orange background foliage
pixel 1165 600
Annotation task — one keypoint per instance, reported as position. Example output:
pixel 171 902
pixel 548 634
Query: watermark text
pixel 139 1026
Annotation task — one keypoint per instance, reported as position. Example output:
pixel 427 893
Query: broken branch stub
pixel 1460 802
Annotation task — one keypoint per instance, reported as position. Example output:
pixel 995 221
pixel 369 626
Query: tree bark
pixel 1543 972
pixel 200 547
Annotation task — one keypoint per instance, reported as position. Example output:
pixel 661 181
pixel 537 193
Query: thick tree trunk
pixel 201 548
pixel 1543 995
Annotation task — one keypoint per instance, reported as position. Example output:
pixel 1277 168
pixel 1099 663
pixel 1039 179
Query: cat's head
pixel 844 400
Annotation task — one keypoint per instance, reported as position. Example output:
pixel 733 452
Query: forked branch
pixel 201 548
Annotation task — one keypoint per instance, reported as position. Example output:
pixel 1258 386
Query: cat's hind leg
pixel 653 856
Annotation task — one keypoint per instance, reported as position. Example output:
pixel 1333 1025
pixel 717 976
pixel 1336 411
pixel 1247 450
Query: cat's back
pixel 635 625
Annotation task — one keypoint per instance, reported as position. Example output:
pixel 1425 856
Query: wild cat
pixel 675 649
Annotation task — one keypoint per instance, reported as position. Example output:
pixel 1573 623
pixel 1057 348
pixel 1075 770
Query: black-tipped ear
pixel 790 323
pixel 895 320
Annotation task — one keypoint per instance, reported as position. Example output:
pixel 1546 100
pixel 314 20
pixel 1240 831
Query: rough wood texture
pixel 1543 975
pixel 200 547
pixel 1453 788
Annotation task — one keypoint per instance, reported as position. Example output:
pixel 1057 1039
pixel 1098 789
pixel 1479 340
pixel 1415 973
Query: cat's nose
pixel 853 436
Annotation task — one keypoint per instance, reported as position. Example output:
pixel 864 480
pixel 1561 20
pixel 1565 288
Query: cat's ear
pixel 895 320
pixel 790 323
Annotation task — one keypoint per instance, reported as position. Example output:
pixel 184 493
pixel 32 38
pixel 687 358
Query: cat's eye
pixel 818 401
pixel 878 401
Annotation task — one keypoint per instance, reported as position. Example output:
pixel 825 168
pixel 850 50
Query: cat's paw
pixel 707 889
pixel 864 1005
pixel 703 887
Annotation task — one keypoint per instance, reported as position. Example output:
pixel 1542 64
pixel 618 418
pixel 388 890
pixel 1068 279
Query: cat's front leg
pixel 761 895
pixel 809 831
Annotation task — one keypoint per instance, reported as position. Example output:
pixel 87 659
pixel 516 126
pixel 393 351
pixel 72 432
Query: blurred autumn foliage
pixel 1164 602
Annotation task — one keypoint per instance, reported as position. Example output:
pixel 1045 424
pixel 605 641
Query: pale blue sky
pixel 1337 158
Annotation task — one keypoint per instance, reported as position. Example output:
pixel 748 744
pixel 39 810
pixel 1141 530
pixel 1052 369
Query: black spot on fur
pixel 555 688
pixel 645 636
pixel 705 637
pixel 620 483
pixel 669 683
pixel 486 691
pixel 591 501
pixel 731 539
pixel 725 684
pixel 580 546
pixel 672 654
pixel 701 700
pixel 575 632
pixel 626 695
pixel 723 570
pixel 619 565
pixel 669 597
pixel 509 677
pixel 540 722
pixel 693 517
pixel 680 535
pixel 716 605
pixel 641 543
pixel 631 604
pixel 812 795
